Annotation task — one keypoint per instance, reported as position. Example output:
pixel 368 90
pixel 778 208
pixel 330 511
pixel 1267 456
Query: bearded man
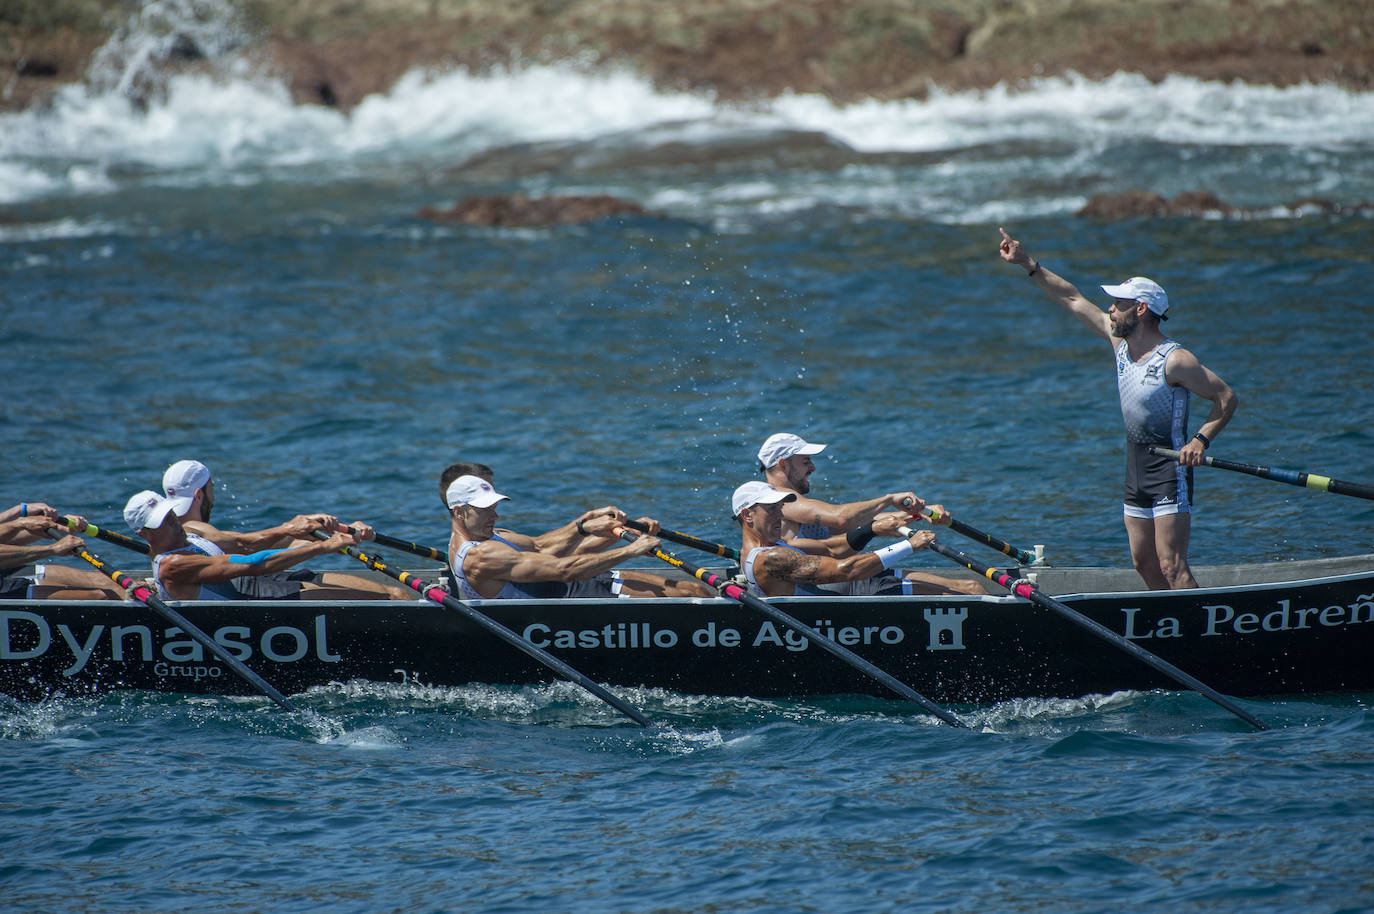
pixel 1154 377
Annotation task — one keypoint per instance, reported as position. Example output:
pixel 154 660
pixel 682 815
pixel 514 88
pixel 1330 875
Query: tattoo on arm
pixel 786 565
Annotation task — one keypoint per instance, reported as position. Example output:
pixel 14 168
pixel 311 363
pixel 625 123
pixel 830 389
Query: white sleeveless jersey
pixel 509 590
pixel 754 588
pixel 196 545
pixel 1154 412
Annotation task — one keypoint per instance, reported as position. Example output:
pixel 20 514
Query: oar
pixel 1292 477
pixel 1022 556
pixel 141 592
pixel 381 539
pixel 109 536
pixel 1025 589
pixel 430 592
pixel 730 589
pixel 686 539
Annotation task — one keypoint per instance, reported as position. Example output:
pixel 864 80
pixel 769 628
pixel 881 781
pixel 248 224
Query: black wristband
pixel 580 529
pixel 1032 273
pixel 1203 438
pixel 859 537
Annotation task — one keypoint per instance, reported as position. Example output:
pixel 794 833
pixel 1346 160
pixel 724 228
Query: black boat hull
pixel 1305 636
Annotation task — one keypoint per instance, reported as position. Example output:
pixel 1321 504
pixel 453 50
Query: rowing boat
pixel 1278 628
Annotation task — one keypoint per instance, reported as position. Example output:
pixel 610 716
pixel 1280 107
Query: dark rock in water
pixel 1134 204
pixel 519 210
pixel 1199 202
pixel 1128 205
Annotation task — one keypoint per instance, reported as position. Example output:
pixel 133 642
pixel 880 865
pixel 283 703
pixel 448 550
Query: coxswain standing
pixel 1154 377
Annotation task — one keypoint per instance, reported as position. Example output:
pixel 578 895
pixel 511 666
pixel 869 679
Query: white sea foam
pixel 1177 110
pixel 60 228
pixel 238 125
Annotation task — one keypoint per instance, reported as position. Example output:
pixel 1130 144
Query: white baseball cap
pixel 472 490
pixel 147 509
pixel 756 492
pixel 1138 288
pixel 181 482
pixel 782 445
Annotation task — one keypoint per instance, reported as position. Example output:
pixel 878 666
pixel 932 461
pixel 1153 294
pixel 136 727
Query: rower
pixel 187 566
pixel 785 460
pixel 776 568
pixel 577 537
pixel 190 489
pixel 25 541
pixel 487 565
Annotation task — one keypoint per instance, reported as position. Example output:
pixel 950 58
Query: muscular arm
pixel 524 541
pixel 250 541
pixel 563 541
pixel 20 528
pixel 1184 370
pixel 568 540
pixel 886 523
pixel 495 562
pixel 786 565
pixel 14 556
pixel 186 568
pixel 29 509
pixel 840 518
pixel 776 566
pixel 1060 291
pixel 836 547
pixel 22 531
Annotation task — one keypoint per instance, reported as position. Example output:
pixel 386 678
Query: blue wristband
pixel 23 509
pixel 255 557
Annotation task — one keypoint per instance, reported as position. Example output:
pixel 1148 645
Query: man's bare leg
pixel 647 584
pixel 925 583
pixel 336 586
pixel 1141 533
pixel 1172 534
pixel 61 578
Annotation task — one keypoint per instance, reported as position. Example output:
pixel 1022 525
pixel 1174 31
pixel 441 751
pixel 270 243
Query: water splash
pixel 134 62
pixel 174 98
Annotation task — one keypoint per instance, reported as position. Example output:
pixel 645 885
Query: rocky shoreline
pixel 336 52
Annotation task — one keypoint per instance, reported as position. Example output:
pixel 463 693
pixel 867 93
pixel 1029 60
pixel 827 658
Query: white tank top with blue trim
pixel 1154 412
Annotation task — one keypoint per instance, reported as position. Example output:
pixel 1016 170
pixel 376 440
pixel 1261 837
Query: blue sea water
pixel 227 277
